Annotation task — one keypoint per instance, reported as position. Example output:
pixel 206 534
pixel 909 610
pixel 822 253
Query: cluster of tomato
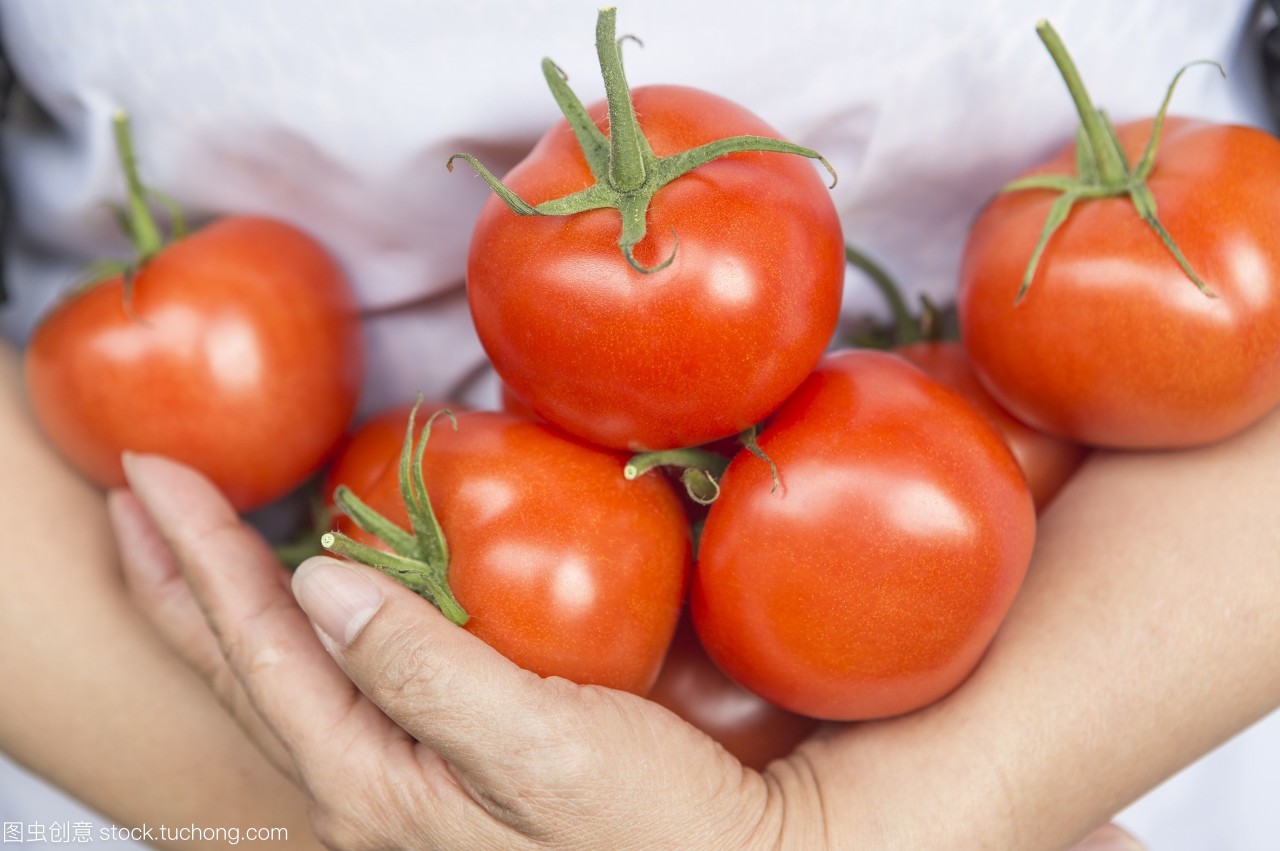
pixel 868 524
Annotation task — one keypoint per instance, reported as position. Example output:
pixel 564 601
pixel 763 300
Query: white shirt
pixel 339 116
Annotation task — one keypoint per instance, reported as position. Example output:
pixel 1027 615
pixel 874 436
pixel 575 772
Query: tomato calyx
pixel 420 556
pixel 627 172
pixel 1102 168
pixel 700 468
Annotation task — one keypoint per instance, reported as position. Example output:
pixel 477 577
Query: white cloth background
pixel 339 116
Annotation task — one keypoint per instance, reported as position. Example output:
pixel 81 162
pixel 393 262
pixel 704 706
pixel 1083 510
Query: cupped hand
pixel 402 729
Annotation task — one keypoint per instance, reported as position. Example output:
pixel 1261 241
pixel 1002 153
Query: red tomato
pixel 564 566
pixel 1047 461
pixel 238 352
pixel 697 351
pixel 1112 344
pixel 870 582
pixel 748 726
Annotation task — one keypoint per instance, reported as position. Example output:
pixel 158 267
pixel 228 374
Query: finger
pixel 158 589
pixel 446 687
pixel 265 638
pixel 533 754
pixel 1109 837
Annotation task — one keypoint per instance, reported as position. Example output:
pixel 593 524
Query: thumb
pixel 445 687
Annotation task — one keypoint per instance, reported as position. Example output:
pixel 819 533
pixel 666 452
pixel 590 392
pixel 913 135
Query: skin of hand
pixel 408 731
pixel 93 700
pixel 413 732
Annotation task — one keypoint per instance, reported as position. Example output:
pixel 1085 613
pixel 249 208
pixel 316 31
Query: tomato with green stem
pixel 869 581
pixel 1126 293
pixel 716 300
pixel 534 541
pixel 235 349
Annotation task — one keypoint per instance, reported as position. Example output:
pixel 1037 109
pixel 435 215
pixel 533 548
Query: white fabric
pixel 340 115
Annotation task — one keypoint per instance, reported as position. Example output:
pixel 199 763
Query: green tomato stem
pixel 415 575
pixel 1110 168
pixel 906 327
pixel 627 172
pixel 688 458
pixel 144 232
pixel 626 160
pixel 421 558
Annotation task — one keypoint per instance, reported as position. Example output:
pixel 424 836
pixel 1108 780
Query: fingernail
pixel 337 596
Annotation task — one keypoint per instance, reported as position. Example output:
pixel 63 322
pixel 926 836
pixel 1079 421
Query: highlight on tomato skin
pixel 872 580
pixel 560 563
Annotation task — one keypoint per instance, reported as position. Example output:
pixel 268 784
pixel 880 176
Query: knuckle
pixel 252 646
pixel 400 669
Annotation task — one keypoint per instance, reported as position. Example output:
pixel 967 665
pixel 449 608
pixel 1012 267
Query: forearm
pixel 92 699
pixel 1145 635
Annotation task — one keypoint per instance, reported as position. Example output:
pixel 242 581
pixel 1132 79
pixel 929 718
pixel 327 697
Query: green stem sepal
pixel 419 557
pixel 136 220
pixel 700 468
pixel 626 171
pixel 1102 169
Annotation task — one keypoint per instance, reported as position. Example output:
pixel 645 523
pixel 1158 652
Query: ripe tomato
pixel 691 352
pixel 1047 461
pixel 1112 344
pixel 238 352
pixel 564 566
pixel 748 726
pixel 872 579
pixel 1105 338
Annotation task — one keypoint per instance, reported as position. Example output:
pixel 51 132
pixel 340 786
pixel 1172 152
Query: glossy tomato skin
pixel 242 357
pixel 1112 344
pixel 564 566
pixel 697 351
pixel 748 726
pixel 1047 461
pixel 871 581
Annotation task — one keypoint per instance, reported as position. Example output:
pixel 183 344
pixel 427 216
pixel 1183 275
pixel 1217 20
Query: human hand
pixel 408 731
pixel 422 735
